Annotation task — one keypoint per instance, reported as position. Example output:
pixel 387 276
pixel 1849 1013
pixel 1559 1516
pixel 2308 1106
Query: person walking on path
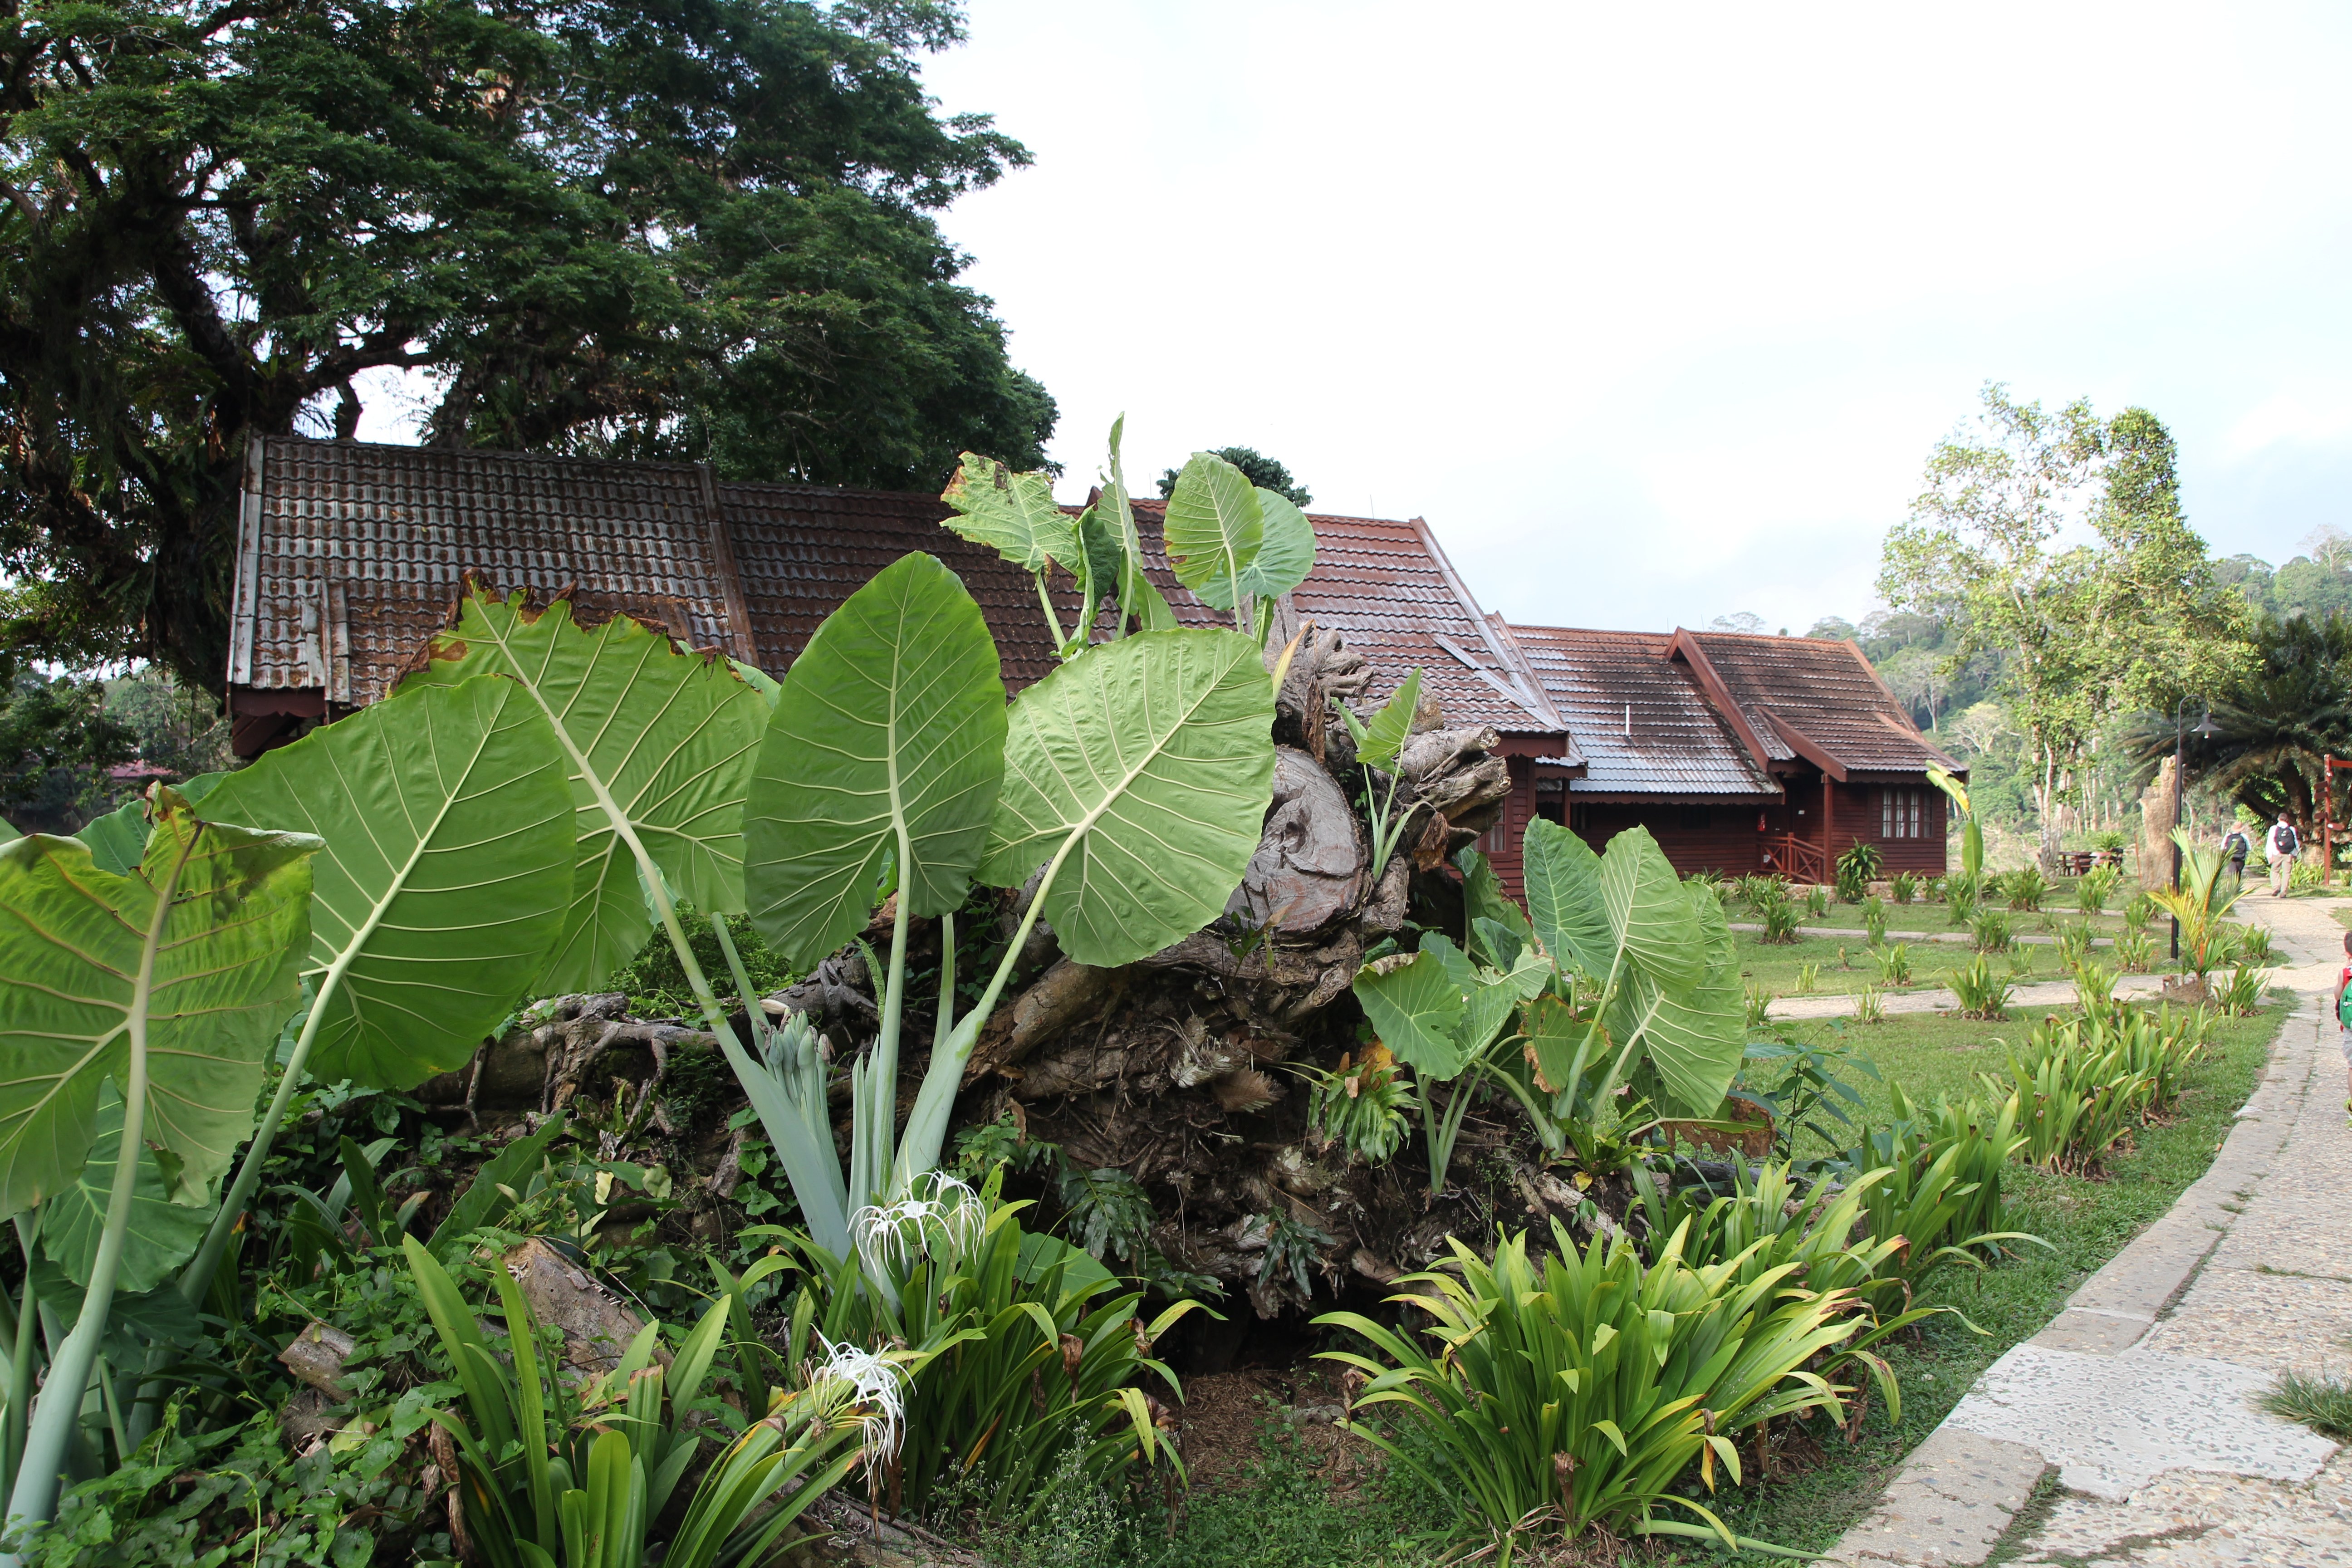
pixel 2235 847
pixel 2280 846
pixel 2343 1023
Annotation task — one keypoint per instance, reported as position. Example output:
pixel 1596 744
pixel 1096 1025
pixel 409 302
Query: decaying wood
pixel 316 1356
pixel 1312 865
pixel 597 1330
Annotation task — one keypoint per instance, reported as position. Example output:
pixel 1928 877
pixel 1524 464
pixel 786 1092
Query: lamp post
pixel 2177 751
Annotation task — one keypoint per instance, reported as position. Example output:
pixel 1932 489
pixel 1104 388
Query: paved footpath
pixel 2141 1394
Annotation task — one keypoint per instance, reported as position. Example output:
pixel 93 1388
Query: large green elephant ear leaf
pixel 1651 913
pixel 1285 555
pixel 1215 528
pixel 1415 1005
pixel 1143 769
pixel 163 1234
pixel 1562 876
pixel 1014 514
pixel 446 813
pixel 887 743
pixel 117 839
pixel 198 952
pixel 1691 1023
pixel 659 744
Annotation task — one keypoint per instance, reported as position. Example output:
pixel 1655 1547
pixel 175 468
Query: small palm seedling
pixel 2074 942
pixel 1874 919
pixel 2094 987
pixel 2252 945
pixel 1959 912
pixel 1870 1007
pixel 1759 1005
pixel 1808 976
pixel 1817 903
pixel 1361 1108
pixel 1778 913
pixel 2139 911
pixel 1988 931
pixel 1904 887
pixel 2320 1401
pixel 1894 965
pixel 2096 887
pixel 1981 992
pixel 2136 951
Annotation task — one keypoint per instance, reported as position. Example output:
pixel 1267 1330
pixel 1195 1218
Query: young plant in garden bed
pixel 1575 1392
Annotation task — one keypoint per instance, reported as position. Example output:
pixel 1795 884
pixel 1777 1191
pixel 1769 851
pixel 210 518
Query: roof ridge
pixel 666 465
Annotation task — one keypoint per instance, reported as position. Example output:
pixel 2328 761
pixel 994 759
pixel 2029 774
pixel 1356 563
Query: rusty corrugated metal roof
pixel 1638 717
pixel 1811 695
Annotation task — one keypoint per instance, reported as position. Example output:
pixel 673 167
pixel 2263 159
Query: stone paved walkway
pixel 2144 1403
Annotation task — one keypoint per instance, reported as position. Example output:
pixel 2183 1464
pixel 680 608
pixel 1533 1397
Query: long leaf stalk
pixel 20 1361
pixel 50 1430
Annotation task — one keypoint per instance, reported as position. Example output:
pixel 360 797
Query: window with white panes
pixel 1902 813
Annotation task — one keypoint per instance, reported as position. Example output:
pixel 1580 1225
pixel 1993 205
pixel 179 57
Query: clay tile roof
pixel 803 548
pixel 1809 696
pixel 1388 588
pixel 1639 719
pixel 350 554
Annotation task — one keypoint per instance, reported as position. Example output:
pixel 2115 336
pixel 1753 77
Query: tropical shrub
pixel 1809 979
pixel 1817 903
pixel 2095 887
pixel 1960 912
pixel 549 1474
pixel 1760 1005
pixel 1776 909
pixel 2136 951
pixel 1363 1110
pixel 1576 1392
pixel 2252 944
pixel 2074 942
pixel 1894 964
pixel 1981 992
pixel 1869 1006
pixel 1021 1352
pixel 2139 911
pixel 1934 1183
pixel 1617 968
pixel 1808 1085
pixel 2024 888
pixel 1856 869
pixel 2242 996
pixel 1874 919
pixel 1989 932
pixel 2084 1083
pixel 1904 887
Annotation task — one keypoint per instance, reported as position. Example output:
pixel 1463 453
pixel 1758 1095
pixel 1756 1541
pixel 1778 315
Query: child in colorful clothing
pixel 2343 1021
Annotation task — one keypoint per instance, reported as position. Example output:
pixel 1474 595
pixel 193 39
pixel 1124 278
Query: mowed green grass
pixel 1844 966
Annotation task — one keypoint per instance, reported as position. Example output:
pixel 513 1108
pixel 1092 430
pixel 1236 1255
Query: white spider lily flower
pixel 855 1377
pixel 949 1221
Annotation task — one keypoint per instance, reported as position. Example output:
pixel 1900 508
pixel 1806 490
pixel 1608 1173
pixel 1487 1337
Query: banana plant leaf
pixel 163 1234
pixel 1146 765
pixel 1659 951
pixel 197 955
pixel 659 744
pixel 447 879
pixel 887 745
pixel 1214 528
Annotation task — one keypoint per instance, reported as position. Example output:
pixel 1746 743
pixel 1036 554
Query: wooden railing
pixel 1797 859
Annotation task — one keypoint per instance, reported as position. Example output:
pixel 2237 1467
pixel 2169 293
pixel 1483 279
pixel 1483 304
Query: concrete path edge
pixel 1958 1492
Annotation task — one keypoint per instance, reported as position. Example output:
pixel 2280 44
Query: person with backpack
pixel 2235 847
pixel 2280 845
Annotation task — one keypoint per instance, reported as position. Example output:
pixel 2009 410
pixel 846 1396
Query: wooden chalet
pixel 351 554
pixel 1738 754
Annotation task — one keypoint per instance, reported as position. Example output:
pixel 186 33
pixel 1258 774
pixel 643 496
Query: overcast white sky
pixel 1654 311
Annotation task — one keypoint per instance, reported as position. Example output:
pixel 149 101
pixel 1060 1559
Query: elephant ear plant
pixel 168 984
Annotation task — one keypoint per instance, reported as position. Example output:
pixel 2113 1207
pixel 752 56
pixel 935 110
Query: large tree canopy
pixel 665 227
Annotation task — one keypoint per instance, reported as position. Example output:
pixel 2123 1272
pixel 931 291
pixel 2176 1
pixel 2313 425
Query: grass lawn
pixel 1844 966
pixel 1302 1509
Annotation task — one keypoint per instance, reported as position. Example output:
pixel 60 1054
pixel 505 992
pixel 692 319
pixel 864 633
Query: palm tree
pixel 2271 726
